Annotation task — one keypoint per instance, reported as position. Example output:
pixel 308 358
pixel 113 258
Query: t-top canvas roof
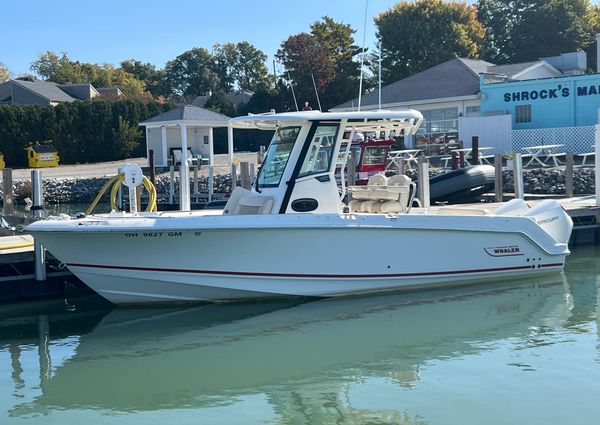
pixel 407 119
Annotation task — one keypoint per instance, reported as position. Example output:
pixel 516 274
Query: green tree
pixel 153 78
pixel 126 138
pixel 61 69
pixel 218 102
pixel 241 66
pixel 302 55
pixel 529 29
pixel 4 74
pixel 338 41
pixel 192 73
pixel 416 36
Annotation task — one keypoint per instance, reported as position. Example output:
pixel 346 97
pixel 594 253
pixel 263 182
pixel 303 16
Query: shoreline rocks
pixel 549 181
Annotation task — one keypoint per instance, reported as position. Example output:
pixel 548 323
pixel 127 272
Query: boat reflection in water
pixel 298 358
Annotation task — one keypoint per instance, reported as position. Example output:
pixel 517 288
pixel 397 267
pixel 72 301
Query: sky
pixel 110 31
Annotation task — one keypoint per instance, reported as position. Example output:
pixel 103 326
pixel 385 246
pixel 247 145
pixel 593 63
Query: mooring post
pixel 475 150
pixel 462 159
pixel 233 177
pixel 171 183
pixel 245 175
pixel 39 253
pixel 261 155
pixel 252 173
pixel 120 192
pixel 152 166
pixel 351 170
pixel 569 169
pixel 454 162
pixel 196 185
pixel 423 178
pixel 7 189
pixel 518 176
pixel 210 183
pixel 498 186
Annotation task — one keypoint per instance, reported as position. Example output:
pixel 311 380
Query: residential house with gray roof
pixel 30 91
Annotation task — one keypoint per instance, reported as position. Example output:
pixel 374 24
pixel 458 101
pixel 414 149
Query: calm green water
pixel 523 352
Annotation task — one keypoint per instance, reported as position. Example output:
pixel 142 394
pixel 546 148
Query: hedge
pixel 82 132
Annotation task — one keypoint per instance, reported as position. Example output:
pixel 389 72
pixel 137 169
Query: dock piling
pixel 7 190
pixel 351 170
pixel 252 173
pixel 210 182
pixel 171 183
pixel 569 165
pixel 475 150
pixel 245 175
pixel 196 185
pixel 518 176
pixel 498 186
pixel 152 165
pixel 39 252
pixel 423 178
pixel 233 177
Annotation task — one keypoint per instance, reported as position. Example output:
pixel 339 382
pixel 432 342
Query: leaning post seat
pixel 381 195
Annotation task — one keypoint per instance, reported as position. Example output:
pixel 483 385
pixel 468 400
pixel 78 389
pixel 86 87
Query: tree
pixel 218 102
pixel 126 138
pixel 241 66
pixel 61 69
pixel 192 73
pixel 529 29
pixel 302 55
pixel 416 36
pixel 153 78
pixel 4 74
pixel 338 41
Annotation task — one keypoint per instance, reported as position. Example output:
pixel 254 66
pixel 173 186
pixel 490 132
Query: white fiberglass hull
pixel 145 260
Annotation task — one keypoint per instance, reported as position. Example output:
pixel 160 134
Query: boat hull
pixel 203 264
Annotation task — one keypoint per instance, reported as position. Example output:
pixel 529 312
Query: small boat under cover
pixel 292 235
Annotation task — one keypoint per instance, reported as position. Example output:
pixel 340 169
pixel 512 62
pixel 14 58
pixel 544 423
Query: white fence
pixel 494 131
pixel 574 139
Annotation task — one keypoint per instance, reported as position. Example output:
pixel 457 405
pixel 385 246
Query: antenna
pixel 379 82
pixel 293 94
pixel 362 57
pixel 316 92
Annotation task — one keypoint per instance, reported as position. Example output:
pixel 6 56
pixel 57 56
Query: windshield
pixel 277 156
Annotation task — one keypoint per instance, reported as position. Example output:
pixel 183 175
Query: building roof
pixel 453 78
pixel 511 69
pixel 46 89
pixel 189 114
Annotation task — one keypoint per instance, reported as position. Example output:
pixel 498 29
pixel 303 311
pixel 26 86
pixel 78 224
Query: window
pixel 277 156
pixel 375 155
pixel 472 111
pixel 522 114
pixel 318 157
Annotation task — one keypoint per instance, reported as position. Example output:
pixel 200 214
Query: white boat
pixel 291 235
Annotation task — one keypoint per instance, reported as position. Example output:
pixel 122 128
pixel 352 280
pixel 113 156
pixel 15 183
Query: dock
pixel 17 278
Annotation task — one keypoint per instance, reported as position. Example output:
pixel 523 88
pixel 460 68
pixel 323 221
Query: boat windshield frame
pixel 275 158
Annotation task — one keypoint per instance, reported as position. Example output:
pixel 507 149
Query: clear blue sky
pixel 157 31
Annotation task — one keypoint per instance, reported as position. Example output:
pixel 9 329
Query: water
pixel 524 352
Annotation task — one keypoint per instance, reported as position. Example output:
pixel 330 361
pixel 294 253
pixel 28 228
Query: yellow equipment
pixel 2 163
pixel 42 155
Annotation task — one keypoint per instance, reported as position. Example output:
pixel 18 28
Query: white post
pixel 597 170
pixel 230 143
pixel 184 173
pixel 211 146
pixel 163 133
pixel 518 177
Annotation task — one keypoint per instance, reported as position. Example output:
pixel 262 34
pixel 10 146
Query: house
pixel 31 91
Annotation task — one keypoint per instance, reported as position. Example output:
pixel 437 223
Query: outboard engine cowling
pixel 552 217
